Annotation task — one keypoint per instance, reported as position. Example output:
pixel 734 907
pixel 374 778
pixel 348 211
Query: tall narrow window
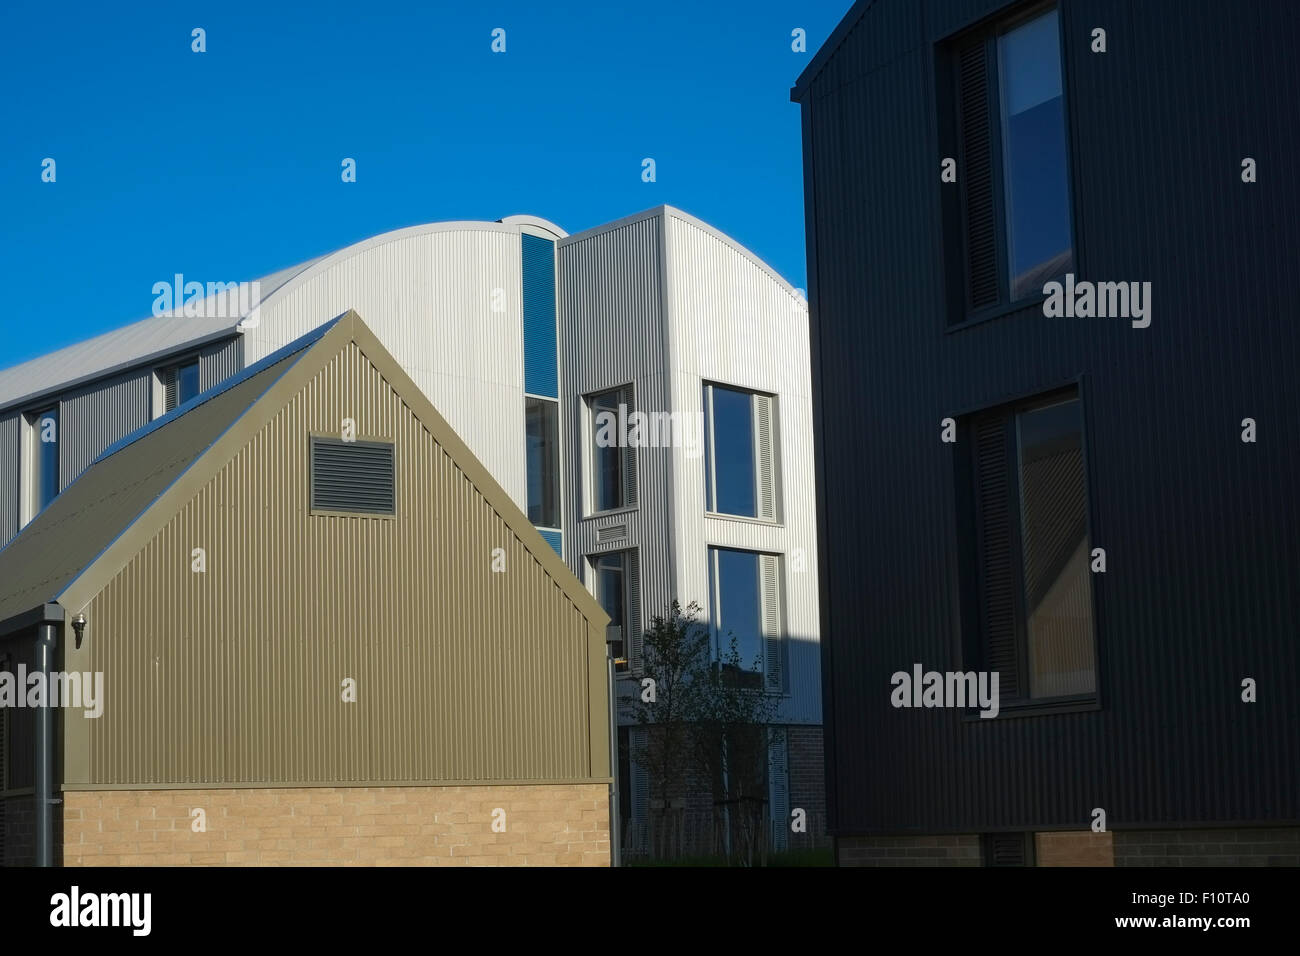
pixel 746 616
pixel 1057 579
pixel 1033 154
pixel 1008 107
pixel 1031 607
pixel 617 586
pixel 541 417
pixel 740 452
pixel 41 447
pixel 612 459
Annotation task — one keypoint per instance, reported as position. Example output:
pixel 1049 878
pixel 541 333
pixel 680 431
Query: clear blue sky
pixel 225 165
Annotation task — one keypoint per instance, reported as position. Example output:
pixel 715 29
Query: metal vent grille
pixel 613 533
pixel 977 174
pixel 998 576
pixel 171 388
pixel 352 477
pixel 1009 849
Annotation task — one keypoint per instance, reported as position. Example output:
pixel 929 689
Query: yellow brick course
pixel 546 825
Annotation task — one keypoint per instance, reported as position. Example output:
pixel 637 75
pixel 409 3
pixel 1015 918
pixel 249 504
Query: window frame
pixel 971 645
pixel 590 459
pixel 159 391
pixel 558 461
pixel 781 686
pixel 29 457
pixel 959 313
pixel 710 456
pixel 630 561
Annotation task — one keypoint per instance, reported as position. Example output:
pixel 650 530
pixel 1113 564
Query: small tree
pixel 729 732
pixel 706 717
pixel 675 658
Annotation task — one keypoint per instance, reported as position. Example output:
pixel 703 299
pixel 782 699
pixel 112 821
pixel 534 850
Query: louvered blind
pixel 769 574
pixel 640 778
pixel 993 490
pixel 356 477
pixel 976 172
pixel 171 388
pixel 629 457
pixel 635 639
pixel 778 778
pixel 765 456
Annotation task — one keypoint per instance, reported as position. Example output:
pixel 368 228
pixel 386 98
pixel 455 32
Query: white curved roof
pixel 152 339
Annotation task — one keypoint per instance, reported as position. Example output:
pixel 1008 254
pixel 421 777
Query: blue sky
pixel 225 165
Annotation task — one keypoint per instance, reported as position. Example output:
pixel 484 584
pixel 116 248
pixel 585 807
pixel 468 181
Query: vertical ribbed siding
pixel 430 299
pixel 234 675
pixel 220 361
pixel 541 370
pixel 11 436
pixel 1200 591
pixel 612 334
pixel 732 322
pixel 93 418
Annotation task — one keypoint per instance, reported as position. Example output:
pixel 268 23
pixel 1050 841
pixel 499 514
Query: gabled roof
pixel 100 521
pixel 118 487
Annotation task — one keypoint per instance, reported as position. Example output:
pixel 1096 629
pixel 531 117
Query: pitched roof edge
pixel 491 490
pixel 828 48
pixel 329 340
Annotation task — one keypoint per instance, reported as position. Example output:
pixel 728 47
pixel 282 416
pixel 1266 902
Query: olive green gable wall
pixel 233 676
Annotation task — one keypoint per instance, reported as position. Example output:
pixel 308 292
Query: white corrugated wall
pixel 429 298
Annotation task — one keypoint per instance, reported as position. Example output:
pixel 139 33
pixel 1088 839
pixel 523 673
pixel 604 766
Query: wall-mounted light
pixel 79 626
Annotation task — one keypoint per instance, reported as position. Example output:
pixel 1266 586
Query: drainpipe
pixel 615 826
pixel 47 643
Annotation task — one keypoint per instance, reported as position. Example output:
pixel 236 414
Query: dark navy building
pixel 1054 276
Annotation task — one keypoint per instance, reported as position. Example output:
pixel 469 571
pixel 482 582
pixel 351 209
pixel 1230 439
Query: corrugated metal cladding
pixel 107 353
pixel 732 323
pixel 612 333
pixel 11 431
pixel 235 675
pixel 97 414
pixel 219 361
pixel 1198 526
pixel 448 305
pixel 93 418
pixel 60 542
pixel 541 370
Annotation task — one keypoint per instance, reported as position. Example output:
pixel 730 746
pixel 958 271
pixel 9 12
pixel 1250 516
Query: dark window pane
pixel 541 426
pixel 1033 147
pixel 607 455
pixel 732 431
pixel 46 478
pixel 611 594
pixel 1058 595
pixel 187 382
pixel 738 612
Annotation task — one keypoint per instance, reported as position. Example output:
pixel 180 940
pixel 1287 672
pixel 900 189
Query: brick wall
pixel 961 850
pixel 1261 846
pixel 1074 848
pixel 20 832
pixel 807 771
pixel 546 825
